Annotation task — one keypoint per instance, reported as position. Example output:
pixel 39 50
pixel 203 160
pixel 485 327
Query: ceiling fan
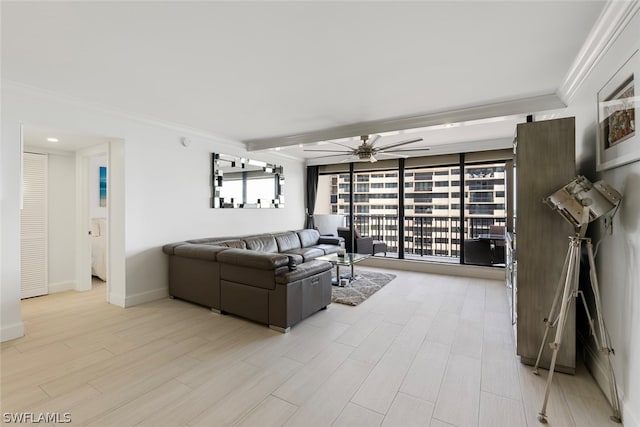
pixel 367 150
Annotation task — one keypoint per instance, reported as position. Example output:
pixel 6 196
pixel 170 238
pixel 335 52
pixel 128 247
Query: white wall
pixel 324 195
pixel 11 325
pixel 62 220
pixel 619 254
pixel 166 190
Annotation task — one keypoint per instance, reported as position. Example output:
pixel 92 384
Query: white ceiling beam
pixel 452 148
pixel 506 108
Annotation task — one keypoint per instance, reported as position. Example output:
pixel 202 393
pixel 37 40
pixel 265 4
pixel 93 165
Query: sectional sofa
pixel 272 278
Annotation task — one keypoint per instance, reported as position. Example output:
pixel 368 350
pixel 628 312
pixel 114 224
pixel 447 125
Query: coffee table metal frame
pixel 349 259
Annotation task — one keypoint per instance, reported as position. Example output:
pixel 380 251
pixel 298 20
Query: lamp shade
pixel 572 199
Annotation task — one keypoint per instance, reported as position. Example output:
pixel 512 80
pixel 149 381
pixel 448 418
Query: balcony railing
pixel 424 236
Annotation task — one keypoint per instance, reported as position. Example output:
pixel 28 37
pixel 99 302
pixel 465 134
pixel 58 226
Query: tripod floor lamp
pixel 579 202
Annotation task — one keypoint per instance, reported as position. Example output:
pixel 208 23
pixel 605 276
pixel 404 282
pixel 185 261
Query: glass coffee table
pixel 347 260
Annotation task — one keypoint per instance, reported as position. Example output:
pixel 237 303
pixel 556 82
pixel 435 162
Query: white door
pixel 34 254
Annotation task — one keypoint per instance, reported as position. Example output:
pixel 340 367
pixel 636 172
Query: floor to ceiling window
pixel 485 197
pixel 432 213
pixel 418 206
pixel 376 205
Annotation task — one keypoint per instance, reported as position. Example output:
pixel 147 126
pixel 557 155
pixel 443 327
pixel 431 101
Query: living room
pixel 160 190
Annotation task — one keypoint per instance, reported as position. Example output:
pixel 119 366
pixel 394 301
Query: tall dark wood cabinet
pixel 544 163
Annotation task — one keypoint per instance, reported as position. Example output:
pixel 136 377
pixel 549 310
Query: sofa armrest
pixel 205 252
pixel 294 259
pixel 303 271
pixel 330 240
pixel 253 259
pixel 364 245
pixel 170 248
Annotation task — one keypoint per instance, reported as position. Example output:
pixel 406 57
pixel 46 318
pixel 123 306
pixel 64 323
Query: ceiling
pixel 38 138
pixel 260 72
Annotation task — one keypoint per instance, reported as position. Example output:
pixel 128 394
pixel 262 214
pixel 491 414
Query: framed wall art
pixel 103 186
pixel 618 141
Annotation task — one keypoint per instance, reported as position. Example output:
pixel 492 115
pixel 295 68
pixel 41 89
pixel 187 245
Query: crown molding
pixel 506 108
pixel 614 18
pixel 136 117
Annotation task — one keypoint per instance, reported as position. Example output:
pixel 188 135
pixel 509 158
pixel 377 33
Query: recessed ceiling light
pixel 52 139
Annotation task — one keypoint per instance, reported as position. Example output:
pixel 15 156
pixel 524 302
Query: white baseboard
pixel 144 297
pixel 491 273
pixel 11 332
pixel 118 300
pixel 62 286
pixel 596 363
pixel 596 366
pixel 629 418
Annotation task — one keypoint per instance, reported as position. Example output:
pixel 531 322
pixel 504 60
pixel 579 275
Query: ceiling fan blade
pixel 342 145
pixel 332 155
pixel 374 139
pixel 405 151
pixel 331 151
pixel 389 153
pixel 398 144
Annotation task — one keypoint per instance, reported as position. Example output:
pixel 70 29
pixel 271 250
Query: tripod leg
pixel 570 288
pixel 596 293
pixel 615 400
pixel 604 338
pixel 592 328
pixel 553 316
pixel 604 347
pixel 566 304
pixel 544 340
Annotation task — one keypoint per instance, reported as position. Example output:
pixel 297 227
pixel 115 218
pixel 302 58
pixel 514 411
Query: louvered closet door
pixel 33 219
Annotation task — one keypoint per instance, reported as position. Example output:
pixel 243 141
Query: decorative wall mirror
pixel 239 182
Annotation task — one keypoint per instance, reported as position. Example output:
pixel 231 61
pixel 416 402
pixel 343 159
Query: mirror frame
pixel 217 180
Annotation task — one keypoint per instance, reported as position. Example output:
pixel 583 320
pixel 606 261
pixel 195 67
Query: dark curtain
pixel 312 191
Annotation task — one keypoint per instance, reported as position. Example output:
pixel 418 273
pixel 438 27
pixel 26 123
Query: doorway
pixel 92 225
pixel 80 209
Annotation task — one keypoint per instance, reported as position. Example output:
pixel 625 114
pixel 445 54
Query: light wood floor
pixel 426 350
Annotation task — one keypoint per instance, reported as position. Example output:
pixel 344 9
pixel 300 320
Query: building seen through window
pixel 431 206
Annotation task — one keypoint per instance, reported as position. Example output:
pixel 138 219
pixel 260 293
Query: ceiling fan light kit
pixel 367 150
